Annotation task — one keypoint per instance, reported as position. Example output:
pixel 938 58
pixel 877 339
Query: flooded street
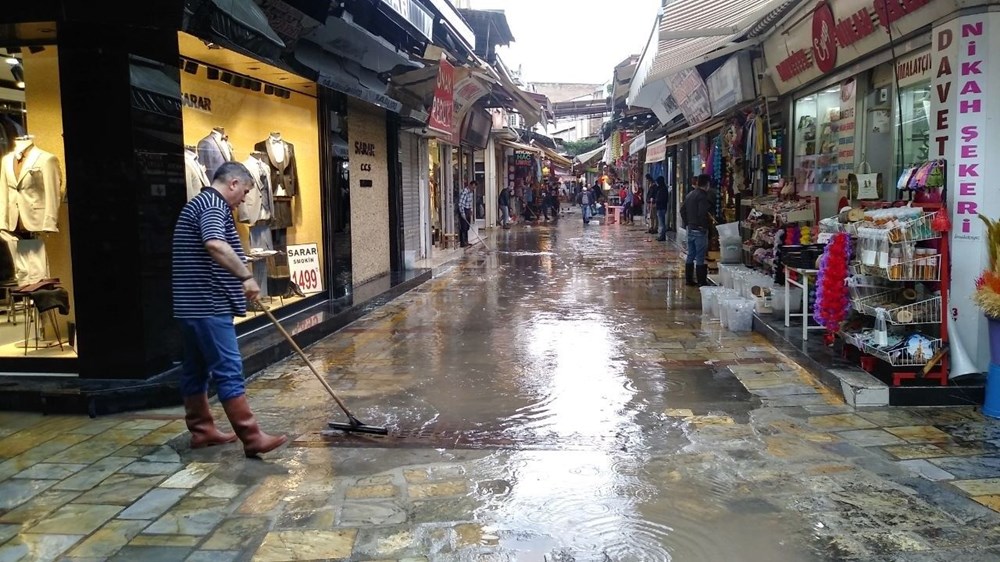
pixel 554 396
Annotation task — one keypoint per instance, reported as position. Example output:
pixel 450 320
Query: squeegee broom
pixel 354 425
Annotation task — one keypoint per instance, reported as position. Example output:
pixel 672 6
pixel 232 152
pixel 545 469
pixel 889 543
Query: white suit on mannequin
pixel 31 181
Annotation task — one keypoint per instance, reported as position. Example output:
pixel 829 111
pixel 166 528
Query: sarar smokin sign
pixel 830 33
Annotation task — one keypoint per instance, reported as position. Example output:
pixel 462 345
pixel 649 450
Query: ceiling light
pixel 12 60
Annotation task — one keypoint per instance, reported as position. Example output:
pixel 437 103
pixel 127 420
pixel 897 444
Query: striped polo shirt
pixel 202 287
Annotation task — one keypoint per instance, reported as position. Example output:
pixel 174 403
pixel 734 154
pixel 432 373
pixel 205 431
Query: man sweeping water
pixel 211 285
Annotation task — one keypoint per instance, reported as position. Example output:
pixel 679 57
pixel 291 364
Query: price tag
pixel 824 237
pixel 303 265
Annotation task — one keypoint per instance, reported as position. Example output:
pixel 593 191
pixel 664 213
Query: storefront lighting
pixel 18 72
pixel 12 61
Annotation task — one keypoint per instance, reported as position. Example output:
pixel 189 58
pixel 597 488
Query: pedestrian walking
pixel 696 214
pixel 465 200
pixel 212 285
pixel 585 202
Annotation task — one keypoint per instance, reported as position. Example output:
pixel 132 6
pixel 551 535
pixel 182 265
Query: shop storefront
pixel 108 128
pixel 874 120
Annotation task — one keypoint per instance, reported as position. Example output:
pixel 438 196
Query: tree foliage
pixel 576 148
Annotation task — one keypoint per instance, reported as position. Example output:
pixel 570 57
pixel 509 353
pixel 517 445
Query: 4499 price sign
pixel 303 265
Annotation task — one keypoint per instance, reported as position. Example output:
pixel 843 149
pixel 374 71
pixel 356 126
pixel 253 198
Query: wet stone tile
pixel 144 468
pixel 120 489
pixel 320 518
pixel 163 454
pixel 108 540
pixel 8 531
pixel 306 545
pixel 193 516
pixel 921 451
pixel 164 540
pixel 151 554
pixel 359 514
pixel 154 504
pixel 992 502
pixel 840 422
pixel 984 487
pixel 214 556
pixel 970 468
pixel 919 434
pixel 76 519
pixel 37 508
pixel 94 474
pixel 371 492
pixel 237 533
pixel 192 475
pixel 36 548
pixel 871 437
pixel 47 471
pixel 386 542
pixel 216 488
pixel 438 489
pixel 15 492
pixel 925 469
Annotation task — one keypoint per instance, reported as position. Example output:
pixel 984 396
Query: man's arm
pixel 224 255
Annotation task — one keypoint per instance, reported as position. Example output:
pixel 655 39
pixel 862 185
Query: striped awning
pixel 688 30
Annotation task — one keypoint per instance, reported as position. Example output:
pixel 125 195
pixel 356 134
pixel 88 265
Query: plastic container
pixel 728 230
pixel 730 250
pixel 726 307
pixel 709 295
pixel 740 315
pixel 778 300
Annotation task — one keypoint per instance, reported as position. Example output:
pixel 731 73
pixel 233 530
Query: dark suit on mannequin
pixel 283 174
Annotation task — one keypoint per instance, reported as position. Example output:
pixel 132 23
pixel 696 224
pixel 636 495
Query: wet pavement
pixel 554 396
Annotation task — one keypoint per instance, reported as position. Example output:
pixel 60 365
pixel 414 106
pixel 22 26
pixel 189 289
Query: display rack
pixel 901 274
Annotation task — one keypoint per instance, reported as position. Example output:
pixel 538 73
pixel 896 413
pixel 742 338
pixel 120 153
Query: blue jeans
pixel 697 246
pixel 661 216
pixel 211 352
pixel 586 213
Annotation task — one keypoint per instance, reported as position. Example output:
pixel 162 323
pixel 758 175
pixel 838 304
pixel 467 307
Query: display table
pixel 614 211
pixel 802 283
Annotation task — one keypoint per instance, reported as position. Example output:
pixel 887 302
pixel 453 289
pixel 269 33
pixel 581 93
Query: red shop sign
pixel 830 33
pixel 442 115
pixel 824 43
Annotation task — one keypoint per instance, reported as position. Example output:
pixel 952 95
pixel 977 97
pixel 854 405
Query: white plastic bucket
pixel 728 230
pixel 740 315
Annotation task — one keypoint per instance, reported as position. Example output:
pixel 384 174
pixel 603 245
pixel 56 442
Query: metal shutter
pixel 409 158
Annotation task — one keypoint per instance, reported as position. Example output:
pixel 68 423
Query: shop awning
pixel 239 25
pixel 521 147
pixel 588 158
pixel 688 30
pixel 556 159
pixel 345 76
pixel 637 143
pixel 695 131
pixel 656 151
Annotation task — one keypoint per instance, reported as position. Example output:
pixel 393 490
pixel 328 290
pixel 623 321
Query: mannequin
pixel 31 191
pixel 281 158
pixel 214 150
pixel 194 172
pixel 256 210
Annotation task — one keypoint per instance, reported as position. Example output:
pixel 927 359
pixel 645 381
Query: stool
pixel 450 240
pixel 45 303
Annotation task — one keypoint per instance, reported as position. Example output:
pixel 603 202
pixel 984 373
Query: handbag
pixel 865 185
pixel 903 182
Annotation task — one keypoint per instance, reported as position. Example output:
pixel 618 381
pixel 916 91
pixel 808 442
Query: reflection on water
pixel 554 349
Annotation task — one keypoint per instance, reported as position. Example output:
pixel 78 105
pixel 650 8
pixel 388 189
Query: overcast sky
pixel 573 40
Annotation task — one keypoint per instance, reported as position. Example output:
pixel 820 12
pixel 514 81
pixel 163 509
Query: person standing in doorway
pixel 465 200
pixel 662 203
pixel 211 285
pixel 503 201
pixel 651 203
pixel 696 217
